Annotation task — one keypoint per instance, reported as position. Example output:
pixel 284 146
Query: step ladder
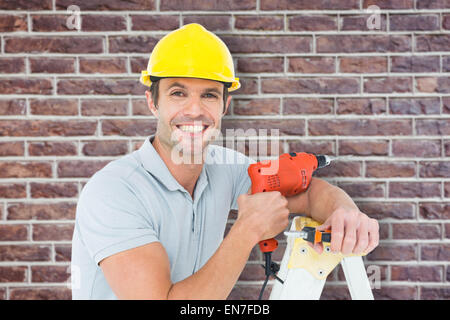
pixel 304 271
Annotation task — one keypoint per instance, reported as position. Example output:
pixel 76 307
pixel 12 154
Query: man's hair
pixel 154 90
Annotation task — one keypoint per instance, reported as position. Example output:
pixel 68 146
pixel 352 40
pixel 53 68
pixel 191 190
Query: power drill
pixel 290 174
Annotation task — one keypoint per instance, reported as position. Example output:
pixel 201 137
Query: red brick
pixel 50 273
pixel 257 65
pixel 12 65
pixel 393 252
pixel 79 168
pixel 410 22
pixel 13 274
pixel 29 252
pixel 341 169
pixel 155 22
pixel 312 146
pixel 417 273
pixel 416 148
pixel 433 4
pixel 38 211
pixel 268 44
pixel 248 292
pixel 363 189
pixel 127 44
pixel 415 106
pixel 310 85
pixel 285 126
pixel 128 127
pixel 105 148
pixel 40 293
pixel 109 86
pixel 97 22
pixel 312 22
pixel 40 128
pixel 63 252
pixel 25 169
pixel 26 5
pixel 260 22
pixel 433 127
pixel 62 107
pixel 252 272
pixel 362 43
pixel 53 232
pixel 51 148
pixel 52 65
pixel 388 4
pixel 387 85
pixel 309 5
pixel 416 231
pixel 363 64
pixel 413 189
pixel 435 252
pixel 248 86
pixel 433 210
pixel 363 147
pixel 361 106
pixel 215 5
pixel 434 84
pixel 447 189
pixel 12 107
pixel 13 232
pixel 359 22
pixel 70 44
pixel 396 293
pixel 432 42
pixel 106 5
pixel 11 149
pixel 378 169
pixel 307 106
pixel 311 64
pixel 415 64
pixel 26 86
pixel 436 293
pixel 446 21
pixel 50 22
pixel 103 65
pixel 349 127
pixel 388 210
pixel 13 190
pixel 104 107
pixel 140 107
pixel 256 106
pixel 432 169
pixel 12 23
pixel 53 190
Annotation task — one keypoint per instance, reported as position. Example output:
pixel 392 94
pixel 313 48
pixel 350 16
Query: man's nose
pixel 193 107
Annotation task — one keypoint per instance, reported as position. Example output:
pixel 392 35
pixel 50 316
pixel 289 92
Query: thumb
pixel 326 225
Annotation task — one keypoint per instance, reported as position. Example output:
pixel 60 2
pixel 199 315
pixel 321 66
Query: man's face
pixel 189 112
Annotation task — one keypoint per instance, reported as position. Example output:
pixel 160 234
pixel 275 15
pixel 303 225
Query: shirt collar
pixel 152 162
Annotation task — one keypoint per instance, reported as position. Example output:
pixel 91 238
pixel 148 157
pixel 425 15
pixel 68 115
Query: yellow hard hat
pixel 191 52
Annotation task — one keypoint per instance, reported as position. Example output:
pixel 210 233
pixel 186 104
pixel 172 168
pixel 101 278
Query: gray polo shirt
pixel 135 200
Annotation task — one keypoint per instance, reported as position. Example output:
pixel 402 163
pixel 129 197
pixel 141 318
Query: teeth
pixel 193 129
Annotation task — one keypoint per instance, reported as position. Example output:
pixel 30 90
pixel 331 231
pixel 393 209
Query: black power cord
pixel 271 268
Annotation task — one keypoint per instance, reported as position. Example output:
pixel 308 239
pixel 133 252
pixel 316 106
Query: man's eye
pixel 177 93
pixel 211 95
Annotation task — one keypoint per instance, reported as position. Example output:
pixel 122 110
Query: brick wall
pixel 71 102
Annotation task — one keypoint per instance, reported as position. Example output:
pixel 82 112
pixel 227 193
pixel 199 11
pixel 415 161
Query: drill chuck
pixel 323 161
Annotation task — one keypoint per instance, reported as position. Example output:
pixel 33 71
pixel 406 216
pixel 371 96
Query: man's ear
pixel 151 106
pixel 227 105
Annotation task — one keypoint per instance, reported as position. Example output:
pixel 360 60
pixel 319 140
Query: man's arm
pixel 352 230
pixel 144 272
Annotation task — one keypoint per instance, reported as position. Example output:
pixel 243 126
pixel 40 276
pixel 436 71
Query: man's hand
pixel 351 231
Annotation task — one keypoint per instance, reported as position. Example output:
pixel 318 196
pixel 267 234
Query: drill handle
pixel 268 245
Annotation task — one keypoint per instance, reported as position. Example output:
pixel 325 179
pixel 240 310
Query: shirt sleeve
pixel 110 218
pixel 241 178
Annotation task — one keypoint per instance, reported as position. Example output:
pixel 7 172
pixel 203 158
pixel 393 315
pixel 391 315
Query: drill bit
pixel 325 160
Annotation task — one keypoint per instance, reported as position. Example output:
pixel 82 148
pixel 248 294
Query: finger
pixel 373 235
pixel 318 247
pixel 337 234
pixel 362 240
pixel 349 237
pixel 324 226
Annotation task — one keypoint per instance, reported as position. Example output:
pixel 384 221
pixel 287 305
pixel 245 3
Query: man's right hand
pixel 265 213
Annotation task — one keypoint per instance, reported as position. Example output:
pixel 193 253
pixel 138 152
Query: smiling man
pixel 151 224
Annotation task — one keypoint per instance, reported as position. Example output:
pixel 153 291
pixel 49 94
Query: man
pixel 150 225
